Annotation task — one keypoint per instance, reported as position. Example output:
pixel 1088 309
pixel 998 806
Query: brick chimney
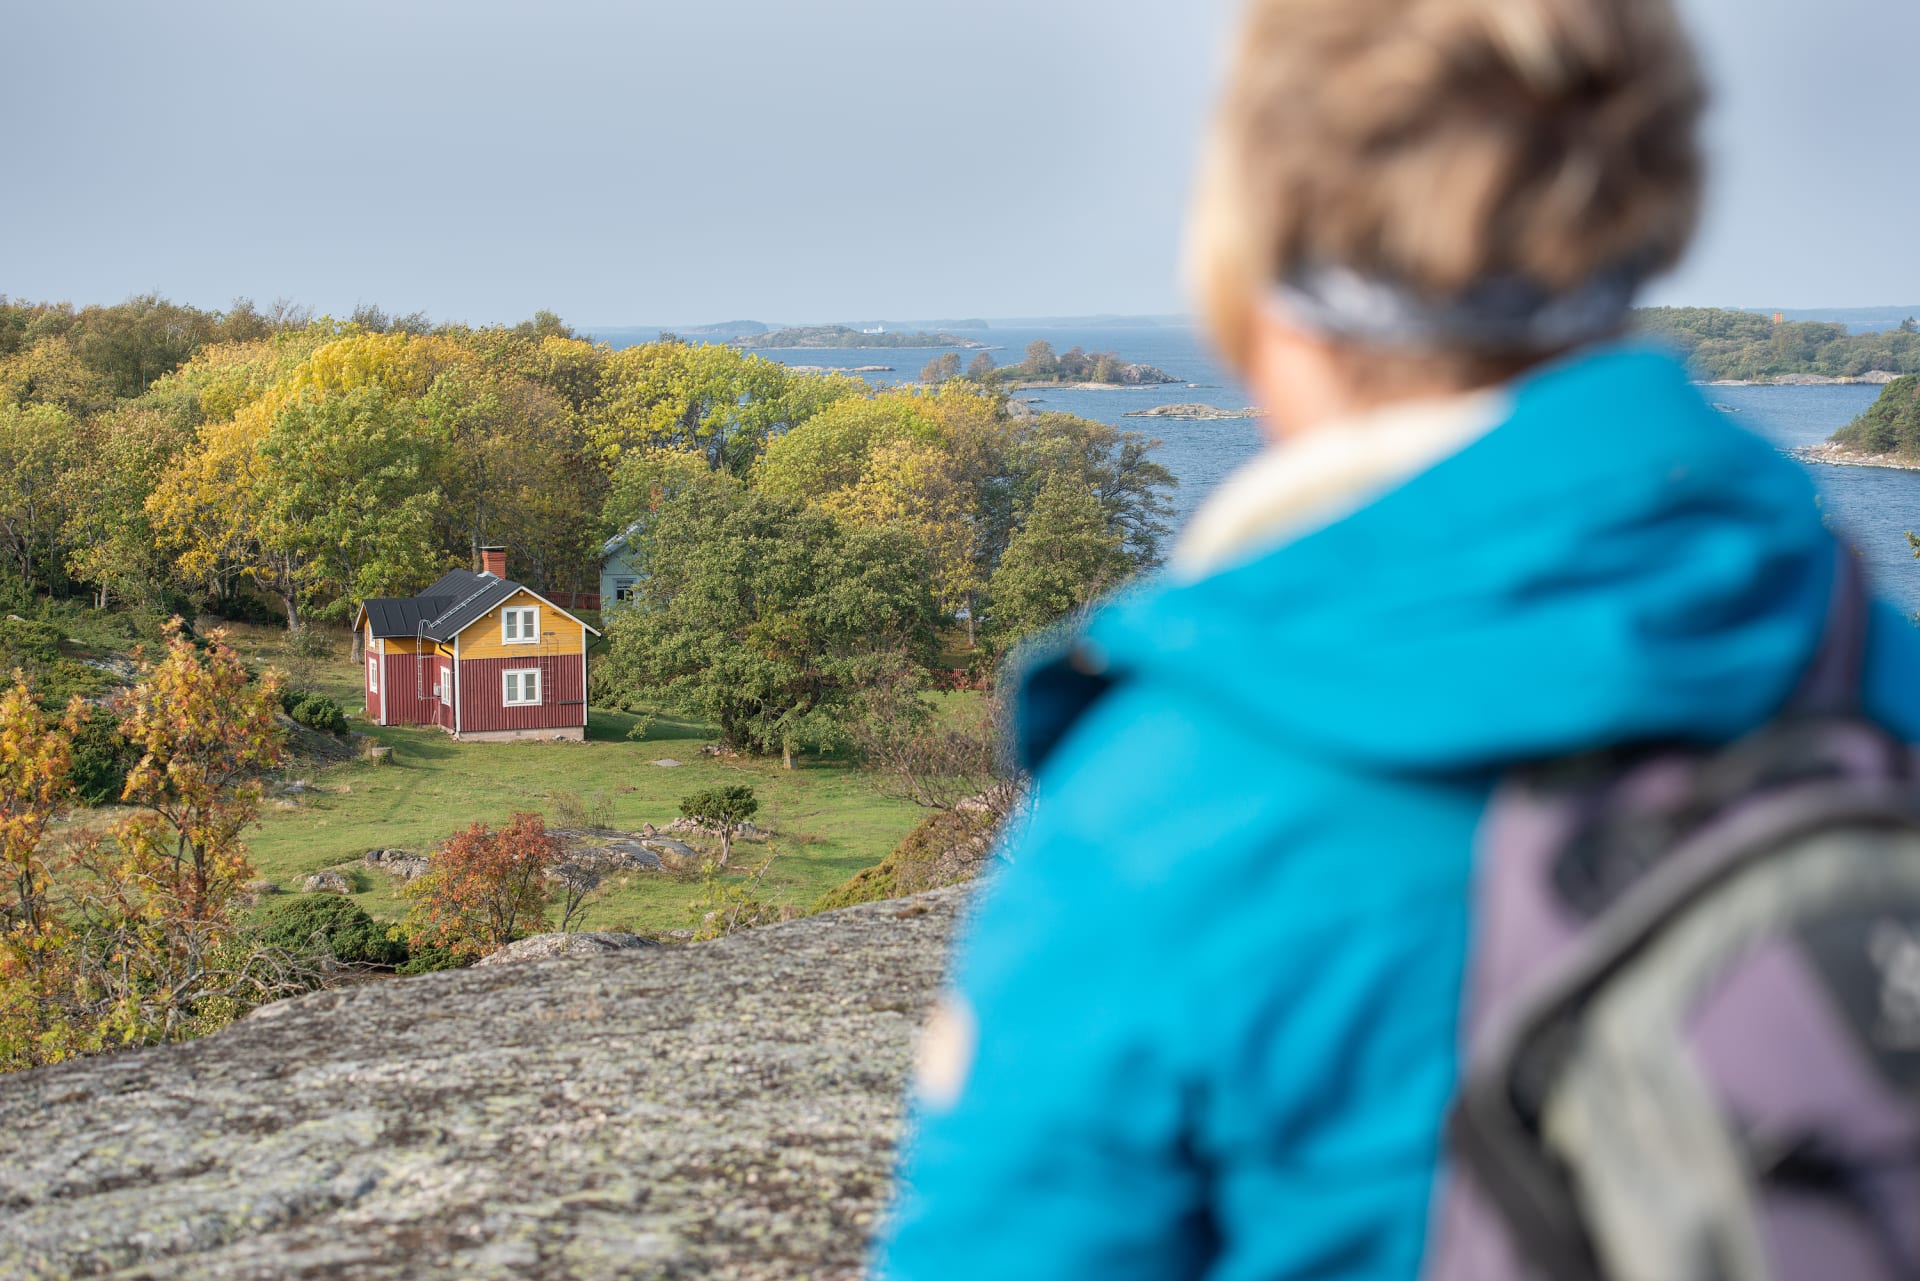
pixel 493 560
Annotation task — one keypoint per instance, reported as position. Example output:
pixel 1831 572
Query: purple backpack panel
pixel 1693 1021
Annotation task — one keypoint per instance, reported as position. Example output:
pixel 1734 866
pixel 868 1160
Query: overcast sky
pixel 647 162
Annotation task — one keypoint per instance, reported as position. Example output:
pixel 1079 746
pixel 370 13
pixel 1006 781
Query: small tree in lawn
pixel 723 810
pixel 484 889
pixel 206 732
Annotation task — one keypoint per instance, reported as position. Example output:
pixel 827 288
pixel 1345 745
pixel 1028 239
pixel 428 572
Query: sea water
pixel 1873 506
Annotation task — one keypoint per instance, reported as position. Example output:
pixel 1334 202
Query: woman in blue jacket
pixel 1205 1022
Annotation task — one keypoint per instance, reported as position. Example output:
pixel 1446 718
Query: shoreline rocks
pixel 1833 455
pixel 1872 378
pixel 1196 413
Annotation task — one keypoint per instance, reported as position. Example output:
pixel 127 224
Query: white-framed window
pixel 623 588
pixel 520 626
pixel 373 673
pixel 443 689
pixel 520 688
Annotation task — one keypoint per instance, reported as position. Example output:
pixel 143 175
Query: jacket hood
pixel 1615 561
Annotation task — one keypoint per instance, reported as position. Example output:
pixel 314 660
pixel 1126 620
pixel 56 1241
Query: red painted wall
pixel 563 701
pixel 403 708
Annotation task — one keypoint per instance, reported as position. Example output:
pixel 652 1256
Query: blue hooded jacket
pixel 1214 992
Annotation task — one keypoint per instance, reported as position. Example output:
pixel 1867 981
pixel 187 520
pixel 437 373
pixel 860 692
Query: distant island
pixel 1195 413
pixel 1887 435
pixel 1043 367
pixel 1723 346
pixel 845 338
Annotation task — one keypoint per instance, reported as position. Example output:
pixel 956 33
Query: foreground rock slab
pixel 725 1111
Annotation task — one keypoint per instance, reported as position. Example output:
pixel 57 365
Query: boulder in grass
pixel 399 864
pixel 328 883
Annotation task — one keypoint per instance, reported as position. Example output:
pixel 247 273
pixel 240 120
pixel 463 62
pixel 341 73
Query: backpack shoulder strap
pixel 1831 684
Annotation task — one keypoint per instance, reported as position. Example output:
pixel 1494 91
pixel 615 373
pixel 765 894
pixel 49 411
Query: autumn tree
pixel 108 533
pixel 1041 361
pixel 35 757
pixel 925 491
pixel 206 731
pixel 941 368
pixel 723 403
pixel 484 889
pixel 982 367
pixel 829 452
pixel 722 811
pixel 39 445
pixel 943 758
pixel 137 941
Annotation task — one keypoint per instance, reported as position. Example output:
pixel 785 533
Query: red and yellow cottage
pixel 481 656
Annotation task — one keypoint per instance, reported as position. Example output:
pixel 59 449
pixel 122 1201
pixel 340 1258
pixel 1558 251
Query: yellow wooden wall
pixel 558 632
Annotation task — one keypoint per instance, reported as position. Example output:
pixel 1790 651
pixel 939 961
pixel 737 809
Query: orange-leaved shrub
pixel 484 889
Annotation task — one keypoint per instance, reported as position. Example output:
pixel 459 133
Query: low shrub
pixel 427 960
pixel 101 761
pixel 310 643
pixel 65 678
pixel 328 924
pixel 29 639
pixel 315 711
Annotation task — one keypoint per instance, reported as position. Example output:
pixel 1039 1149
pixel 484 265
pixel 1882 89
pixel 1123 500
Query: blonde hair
pixel 1434 144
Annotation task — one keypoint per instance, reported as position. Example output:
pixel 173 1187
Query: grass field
pixel 828 820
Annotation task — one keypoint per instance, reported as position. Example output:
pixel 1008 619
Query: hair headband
pixel 1506 313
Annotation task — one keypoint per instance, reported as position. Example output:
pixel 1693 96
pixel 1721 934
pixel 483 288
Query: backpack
pixel 1692 1031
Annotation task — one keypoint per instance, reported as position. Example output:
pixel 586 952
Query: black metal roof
pixel 444 610
pixel 483 593
pixel 402 615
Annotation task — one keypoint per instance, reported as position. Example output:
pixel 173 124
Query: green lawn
pixel 828 820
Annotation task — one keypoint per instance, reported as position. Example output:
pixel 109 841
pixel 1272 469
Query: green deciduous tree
pixel 765 615
pixel 720 402
pixel 1065 557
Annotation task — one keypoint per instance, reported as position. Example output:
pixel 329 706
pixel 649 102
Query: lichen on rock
pixel 541 946
pixel 723 1110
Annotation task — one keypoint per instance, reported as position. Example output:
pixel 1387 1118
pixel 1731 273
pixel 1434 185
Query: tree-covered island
pixel 1721 345
pixel 846 338
pixel 1043 367
pixel 1887 434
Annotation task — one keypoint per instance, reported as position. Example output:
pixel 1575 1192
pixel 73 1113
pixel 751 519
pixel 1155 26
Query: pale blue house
pixel 619 570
